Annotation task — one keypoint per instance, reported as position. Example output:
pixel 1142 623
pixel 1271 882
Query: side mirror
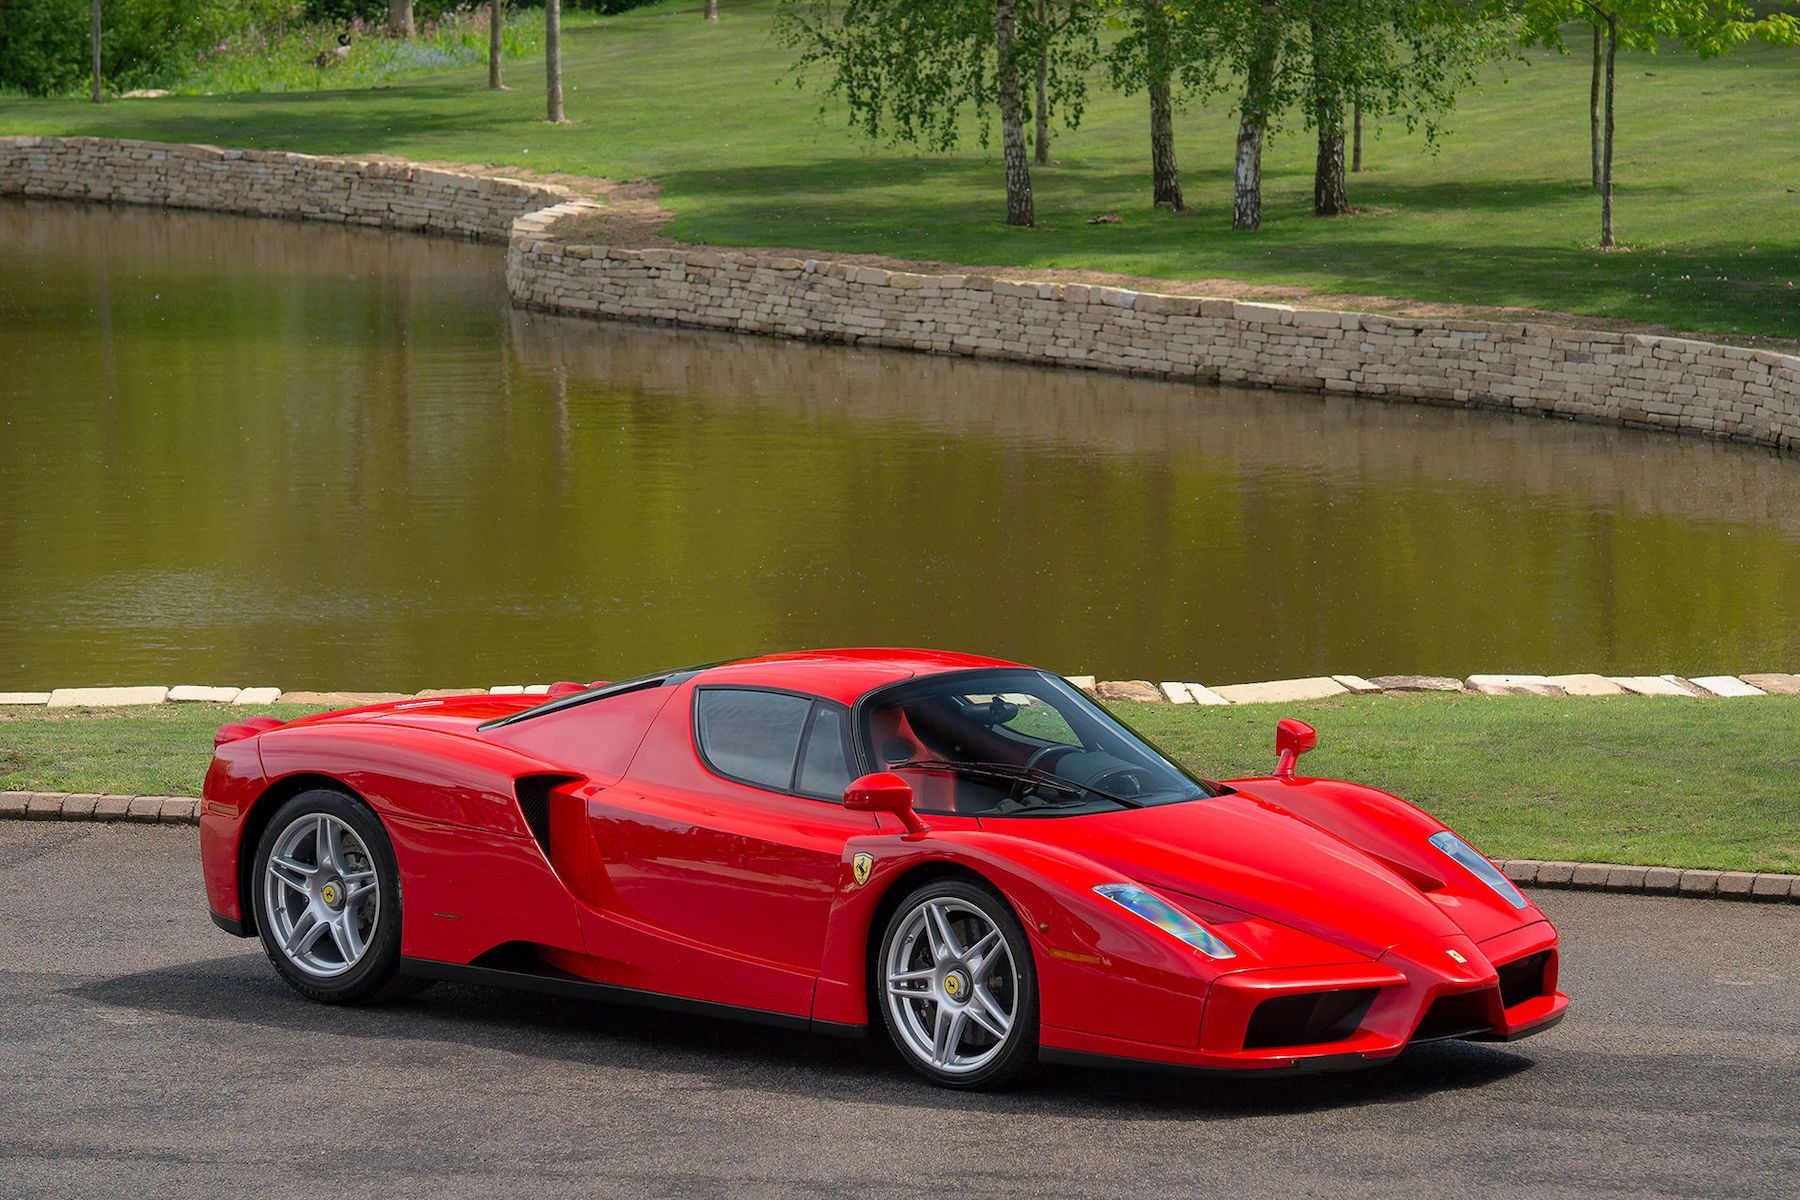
pixel 885 792
pixel 1292 739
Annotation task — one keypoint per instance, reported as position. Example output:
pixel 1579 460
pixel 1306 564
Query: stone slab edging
pixel 1136 691
pixel 272 183
pixel 1764 886
pixel 1638 380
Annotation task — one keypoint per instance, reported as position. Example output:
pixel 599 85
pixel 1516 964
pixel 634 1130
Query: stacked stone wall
pixel 271 183
pixel 1615 378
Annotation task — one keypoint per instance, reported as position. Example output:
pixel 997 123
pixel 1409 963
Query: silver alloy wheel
pixel 952 987
pixel 321 894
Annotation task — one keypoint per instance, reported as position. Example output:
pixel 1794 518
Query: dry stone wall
pixel 270 183
pixel 1616 378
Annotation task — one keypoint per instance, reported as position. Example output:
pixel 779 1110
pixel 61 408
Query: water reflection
pixel 243 450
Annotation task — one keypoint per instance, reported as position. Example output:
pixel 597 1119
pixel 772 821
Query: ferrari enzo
pixel 967 851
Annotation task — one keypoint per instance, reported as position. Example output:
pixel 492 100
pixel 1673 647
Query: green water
pixel 244 451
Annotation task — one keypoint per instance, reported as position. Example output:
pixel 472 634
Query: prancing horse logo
pixel 860 866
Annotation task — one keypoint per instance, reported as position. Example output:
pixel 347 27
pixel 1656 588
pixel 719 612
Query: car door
pixel 718 857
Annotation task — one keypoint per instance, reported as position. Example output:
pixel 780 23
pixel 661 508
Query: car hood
pixel 1247 853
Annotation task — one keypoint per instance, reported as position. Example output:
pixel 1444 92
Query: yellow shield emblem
pixel 860 866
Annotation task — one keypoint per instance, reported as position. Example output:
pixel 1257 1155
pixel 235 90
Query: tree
pixel 553 60
pixel 1705 27
pixel 400 17
pixel 1143 59
pixel 496 18
pixel 94 40
pixel 907 69
pixel 711 12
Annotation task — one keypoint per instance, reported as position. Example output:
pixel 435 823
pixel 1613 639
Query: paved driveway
pixel 144 1053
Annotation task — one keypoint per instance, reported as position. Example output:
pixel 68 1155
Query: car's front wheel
pixel 326 892
pixel 958 986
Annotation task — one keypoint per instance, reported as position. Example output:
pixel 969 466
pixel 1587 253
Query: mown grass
pixel 1626 779
pixel 1708 173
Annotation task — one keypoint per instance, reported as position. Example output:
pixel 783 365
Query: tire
pixel 961 1016
pixel 328 911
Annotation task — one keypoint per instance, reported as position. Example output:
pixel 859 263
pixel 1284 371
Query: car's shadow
pixel 728 1054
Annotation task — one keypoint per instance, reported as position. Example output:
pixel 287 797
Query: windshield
pixel 1014 743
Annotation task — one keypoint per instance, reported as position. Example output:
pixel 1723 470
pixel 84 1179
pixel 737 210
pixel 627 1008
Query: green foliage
pixel 1705 27
pixel 911 70
pixel 305 57
pixel 46 50
pixel 1402 58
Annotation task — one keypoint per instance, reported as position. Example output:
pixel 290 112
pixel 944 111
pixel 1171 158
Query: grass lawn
pixel 1628 779
pixel 1708 172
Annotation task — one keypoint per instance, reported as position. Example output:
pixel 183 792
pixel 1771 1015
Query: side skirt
pixel 551 982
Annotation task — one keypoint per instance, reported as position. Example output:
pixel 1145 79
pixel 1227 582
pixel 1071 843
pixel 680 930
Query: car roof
pixel 842 675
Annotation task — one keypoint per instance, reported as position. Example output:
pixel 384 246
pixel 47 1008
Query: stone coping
pixel 1766 886
pixel 1139 691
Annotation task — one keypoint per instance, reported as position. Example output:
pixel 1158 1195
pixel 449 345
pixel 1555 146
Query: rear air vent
pixel 533 792
pixel 1308 1018
pixel 1455 1016
pixel 1523 978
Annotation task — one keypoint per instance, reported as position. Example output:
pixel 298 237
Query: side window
pixel 824 765
pixel 752 736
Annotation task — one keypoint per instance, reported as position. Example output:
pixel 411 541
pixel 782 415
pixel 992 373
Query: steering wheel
pixel 1128 781
pixel 1036 761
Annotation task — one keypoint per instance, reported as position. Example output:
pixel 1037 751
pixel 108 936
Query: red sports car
pixel 968 851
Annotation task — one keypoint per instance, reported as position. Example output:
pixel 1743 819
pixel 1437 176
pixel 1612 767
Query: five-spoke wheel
pixel 327 898
pixel 959 988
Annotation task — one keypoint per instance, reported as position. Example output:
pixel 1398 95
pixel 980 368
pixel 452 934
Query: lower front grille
pixel 1307 1018
pixel 1455 1016
pixel 1523 978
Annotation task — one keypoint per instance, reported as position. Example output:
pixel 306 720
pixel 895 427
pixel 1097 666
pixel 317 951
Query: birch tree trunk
pixel 496 18
pixel 1012 116
pixel 1330 192
pixel 1041 147
pixel 1253 116
pixel 712 10
pixel 1606 164
pixel 99 95
pixel 1165 172
pixel 1594 88
pixel 400 17
pixel 553 60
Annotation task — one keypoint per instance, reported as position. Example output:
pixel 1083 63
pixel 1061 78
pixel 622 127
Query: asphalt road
pixel 144 1053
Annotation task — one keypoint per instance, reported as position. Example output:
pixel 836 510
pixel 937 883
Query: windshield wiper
pixel 1009 771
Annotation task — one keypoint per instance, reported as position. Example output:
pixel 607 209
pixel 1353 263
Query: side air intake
pixel 533 792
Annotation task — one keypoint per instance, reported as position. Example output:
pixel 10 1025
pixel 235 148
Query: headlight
pixel 1165 916
pixel 1478 866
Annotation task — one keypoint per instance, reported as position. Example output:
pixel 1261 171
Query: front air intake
pixel 1523 978
pixel 1307 1018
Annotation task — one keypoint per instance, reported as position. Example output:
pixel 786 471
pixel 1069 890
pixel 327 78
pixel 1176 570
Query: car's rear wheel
pixel 326 891
pixel 958 986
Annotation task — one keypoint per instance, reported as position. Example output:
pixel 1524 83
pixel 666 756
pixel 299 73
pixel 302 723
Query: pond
pixel 245 451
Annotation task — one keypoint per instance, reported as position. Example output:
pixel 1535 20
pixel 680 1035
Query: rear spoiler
pixel 238 730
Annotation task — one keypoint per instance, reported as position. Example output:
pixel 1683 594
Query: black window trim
pixel 806 724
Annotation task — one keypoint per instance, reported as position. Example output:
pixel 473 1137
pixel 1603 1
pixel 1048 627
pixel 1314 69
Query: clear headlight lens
pixel 1478 866
pixel 1165 916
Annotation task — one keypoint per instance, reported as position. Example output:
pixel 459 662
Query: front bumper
pixel 1420 993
